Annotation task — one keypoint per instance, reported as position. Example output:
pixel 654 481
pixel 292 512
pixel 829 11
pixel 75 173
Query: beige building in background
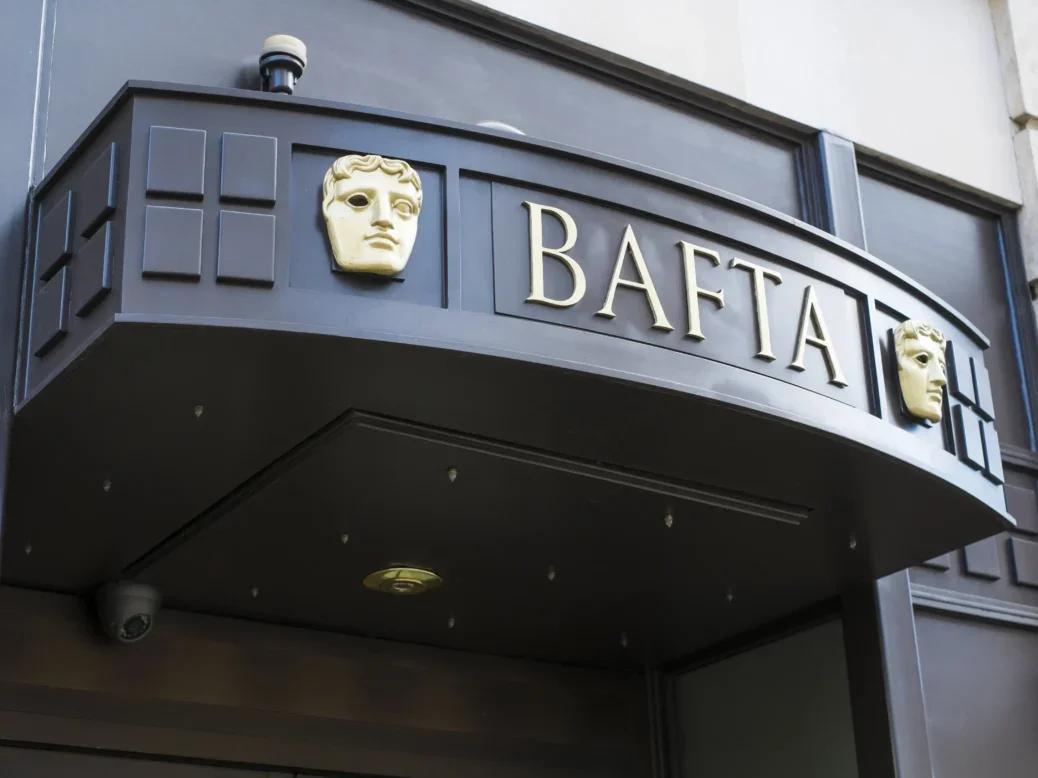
pixel 916 81
pixel 947 87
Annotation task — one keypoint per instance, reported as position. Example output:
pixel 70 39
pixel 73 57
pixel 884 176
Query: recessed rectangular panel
pixel 246 248
pixel 92 272
pixel 173 242
pixel 615 272
pixel 992 453
pixel 1025 561
pixel 969 443
pixel 248 168
pixel 50 313
pixel 982 389
pixel 176 162
pixel 97 191
pixel 1022 505
pixel 477 280
pixel 960 376
pixel 54 242
pixel 982 559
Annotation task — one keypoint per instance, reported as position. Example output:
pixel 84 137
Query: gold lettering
pixel 630 244
pixel 692 290
pixel 538 251
pixel 811 321
pixel 760 301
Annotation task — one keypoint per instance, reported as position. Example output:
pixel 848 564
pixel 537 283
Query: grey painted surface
pixel 889 711
pixel 432 70
pixel 315 299
pixel 981 686
pixel 842 196
pixel 780 710
pixel 956 253
pixel 376 54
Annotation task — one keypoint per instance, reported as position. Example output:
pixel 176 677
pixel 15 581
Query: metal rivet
pixel 450 621
pixel 254 591
pixel 345 538
pixel 106 485
pixel 669 519
pixel 452 473
pixel 729 595
pixel 551 572
pixel 623 640
pixel 198 410
pixel 28 548
pixel 853 542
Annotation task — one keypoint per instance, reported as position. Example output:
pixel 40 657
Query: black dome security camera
pixel 127 610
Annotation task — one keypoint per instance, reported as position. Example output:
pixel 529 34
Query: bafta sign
pixel 371 206
pixel 630 261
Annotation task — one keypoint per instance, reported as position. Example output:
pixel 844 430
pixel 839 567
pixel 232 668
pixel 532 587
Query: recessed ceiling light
pixel 403 580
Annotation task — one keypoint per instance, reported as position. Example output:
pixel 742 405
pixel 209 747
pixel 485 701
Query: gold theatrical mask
pixel 371 207
pixel 921 368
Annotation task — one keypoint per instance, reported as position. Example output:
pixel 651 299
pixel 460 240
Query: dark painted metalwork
pixel 708 137
pixel 839 199
pixel 977 669
pixel 207 299
pixel 890 723
pixel 878 620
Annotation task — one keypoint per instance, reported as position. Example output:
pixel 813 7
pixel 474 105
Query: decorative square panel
pixel 992 453
pixel 969 443
pixel 248 168
pixel 246 253
pixel 1025 561
pixel 982 389
pixel 960 376
pixel 982 560
pixel 92 272
pixel 98 192
pixel 176 162
pixel 1022 504
pixel 54 239
pixel 50 313
pixel 173 242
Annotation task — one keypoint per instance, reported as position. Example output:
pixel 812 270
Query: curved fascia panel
pixel 554 301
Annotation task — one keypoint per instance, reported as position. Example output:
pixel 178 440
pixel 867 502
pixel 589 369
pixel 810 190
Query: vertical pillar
pixel 1016 32
pixel 886 687
pixel 841 196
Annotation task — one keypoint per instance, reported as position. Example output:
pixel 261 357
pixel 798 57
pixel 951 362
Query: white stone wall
pixel 916 80
pixel 1016 28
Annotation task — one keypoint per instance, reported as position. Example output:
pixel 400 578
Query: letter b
pixel 538 252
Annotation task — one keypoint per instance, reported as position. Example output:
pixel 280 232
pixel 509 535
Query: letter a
pixel 538 251
pixel 630 244
pixel 811 321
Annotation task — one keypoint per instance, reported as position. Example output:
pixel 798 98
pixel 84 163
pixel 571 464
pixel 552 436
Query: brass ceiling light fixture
pixel 403 580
